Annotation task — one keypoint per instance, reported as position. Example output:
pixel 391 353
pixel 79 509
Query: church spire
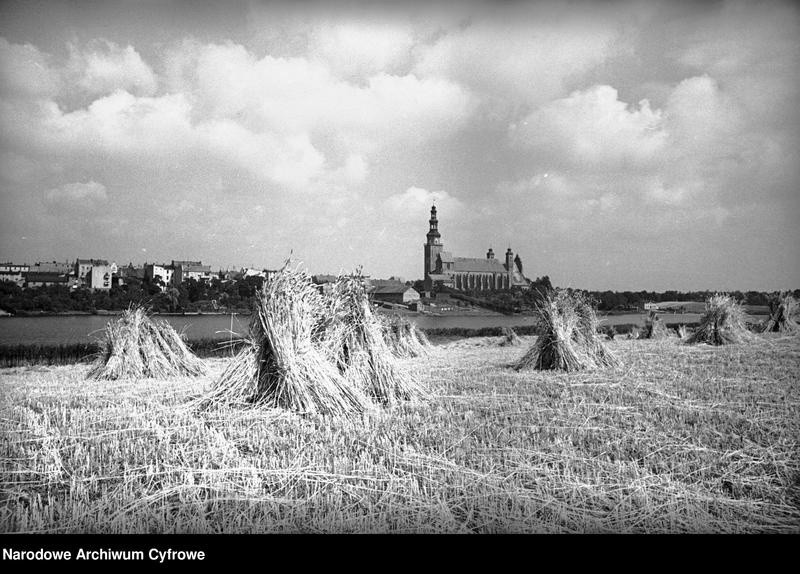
pixel 434 237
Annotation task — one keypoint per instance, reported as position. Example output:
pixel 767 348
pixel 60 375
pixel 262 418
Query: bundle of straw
pixel 783 314
pixel 136 346
pixel 284 366
pixel 354 336
pixel 569 339
pixel 722 323
pixel 655 328
pixel 405 339
pixel 586 333
pixel 509 338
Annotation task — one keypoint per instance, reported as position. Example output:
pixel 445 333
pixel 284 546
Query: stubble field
pixel 679 439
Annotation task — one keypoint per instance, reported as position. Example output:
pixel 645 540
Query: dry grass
pixel 136 346
pixel 682 439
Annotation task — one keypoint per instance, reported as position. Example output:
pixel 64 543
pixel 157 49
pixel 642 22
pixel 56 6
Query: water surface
pixel 85 328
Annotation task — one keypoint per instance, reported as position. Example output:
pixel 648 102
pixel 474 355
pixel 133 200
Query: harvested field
pixel 680 439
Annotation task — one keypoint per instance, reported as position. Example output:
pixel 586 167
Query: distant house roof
pixel 477 265
pixel 45 277
pixel 92 262
pixel 197 269
pixel 130 271
pixel 392 289
pixel 384 282
pixel 53 267
pixel 321 279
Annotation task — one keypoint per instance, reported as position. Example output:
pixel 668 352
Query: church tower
pixel 433 246
pixel 510 266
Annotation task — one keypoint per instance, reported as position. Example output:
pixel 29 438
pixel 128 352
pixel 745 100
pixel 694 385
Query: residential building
pixel 162 272
pixel 94 273
pixel 63 267
pixel 184 270
pixel 13 272
pixel 45 279
pixel 127 274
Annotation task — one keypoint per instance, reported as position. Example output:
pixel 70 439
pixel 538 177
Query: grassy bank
pixel 679 439
pixel 71 353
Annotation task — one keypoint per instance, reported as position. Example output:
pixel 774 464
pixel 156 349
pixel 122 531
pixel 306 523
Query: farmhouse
pixel 398 293
pixel 466 273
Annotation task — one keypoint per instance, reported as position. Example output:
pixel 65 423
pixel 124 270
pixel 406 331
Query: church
pixel 466 273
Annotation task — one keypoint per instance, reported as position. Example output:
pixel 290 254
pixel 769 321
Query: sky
pixel 613 145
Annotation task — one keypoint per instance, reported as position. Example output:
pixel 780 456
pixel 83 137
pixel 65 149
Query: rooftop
pixel 478 265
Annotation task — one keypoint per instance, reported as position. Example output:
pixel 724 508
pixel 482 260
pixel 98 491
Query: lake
pixel 85 328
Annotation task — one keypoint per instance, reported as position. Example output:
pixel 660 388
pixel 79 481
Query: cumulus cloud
pixel 290 95
pixel 102 67
pixel 593 128
pixel 360 49
pixel 415 202
pixel 261 115
pixel 521 56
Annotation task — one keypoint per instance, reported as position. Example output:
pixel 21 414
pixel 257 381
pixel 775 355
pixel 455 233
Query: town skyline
pixel 614 146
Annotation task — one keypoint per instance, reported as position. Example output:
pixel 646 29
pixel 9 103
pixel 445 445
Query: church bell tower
pixel 433 246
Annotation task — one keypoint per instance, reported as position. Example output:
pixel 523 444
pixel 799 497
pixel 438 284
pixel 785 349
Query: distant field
pixel 679 439
pixel 699 307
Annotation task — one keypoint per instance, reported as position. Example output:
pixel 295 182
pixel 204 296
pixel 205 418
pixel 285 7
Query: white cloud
pixel 360 49
pixel 102 67
pixel 290 95
pixel 287 121
pixel 522 56
pixel 415 202
pixel 291 160
pixel 700 117
pixel 84 193
pixel 591 129
pixel 118 125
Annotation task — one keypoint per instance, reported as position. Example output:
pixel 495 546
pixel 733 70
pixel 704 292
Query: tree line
pixel 189 296
pixel 239 295
pixel 526 299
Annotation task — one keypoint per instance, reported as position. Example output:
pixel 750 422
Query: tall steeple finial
pixel 433 231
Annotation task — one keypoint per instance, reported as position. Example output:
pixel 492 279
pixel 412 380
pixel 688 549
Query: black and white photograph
pixel 430 268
